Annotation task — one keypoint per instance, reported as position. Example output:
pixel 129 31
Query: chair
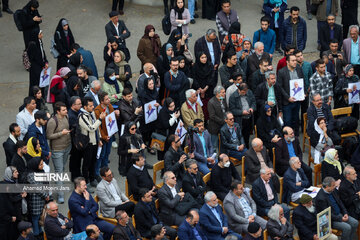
pixel 317 174
pixel 281 180
pixel 305 135
pixel 45 238
pixel 158 167
pixel 243 176
pixel 131 197
pixel 133 220
pixel 235 161
pixel 273 153
pixel 255 129
pixel 344 111
pixel 265 234
pixel 186 149
pixel 206 178
pixel 106 219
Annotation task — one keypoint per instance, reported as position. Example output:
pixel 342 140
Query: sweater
pixel 58 141
pixel 268 38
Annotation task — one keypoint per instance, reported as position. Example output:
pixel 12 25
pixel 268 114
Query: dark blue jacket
pixel 260 196
pixel 210 224
pixel 312 116
pixel 268 7
pixel 199 150
pixel 286 32
pixel 33 131
pixel 268 38
pixel 88 60
pixel 290 183
pixel 185 231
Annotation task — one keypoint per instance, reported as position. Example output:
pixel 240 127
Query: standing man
pixel 337 57
pixel 253 61
pixel 294 30
pixel 351 48
pixel 115 4
pixel 57 131
pixel 225 18
pixel 26 116
pixel 321 82
pixel 290 107
pixel 258 76
pixel 227 70
pixel 265 35
pixel 10 143
pixel 5 7
pixel 93 92
pixel 328 31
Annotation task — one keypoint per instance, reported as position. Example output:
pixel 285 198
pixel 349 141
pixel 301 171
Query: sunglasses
pixel 173 177
pixel 132 128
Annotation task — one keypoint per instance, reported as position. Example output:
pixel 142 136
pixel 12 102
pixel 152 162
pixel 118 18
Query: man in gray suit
pixel 93 93
pixel 241 209
pixel 111 199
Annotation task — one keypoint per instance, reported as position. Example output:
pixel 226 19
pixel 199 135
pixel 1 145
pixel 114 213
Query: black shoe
pixel 192 21
pixel 148 166
pixel 8 11
pixel 196 15
pixel 98 178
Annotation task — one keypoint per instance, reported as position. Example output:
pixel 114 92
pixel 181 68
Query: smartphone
pixel 334 55
pixel 189 35
pixel 246 50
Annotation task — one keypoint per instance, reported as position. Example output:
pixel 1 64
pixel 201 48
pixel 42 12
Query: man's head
pixel 173 141
pixel 75 103
pixel 192 167
pixel 114 16
pixel 52 209
pixel 191 96
pixel 229 119
pixel 289 49
pixel 291 61
pixel 192 217
pixel 317 100
pixel 224 160
pixel 288 133
pixel 296 84
pixel 254 229
pixel 145 195
pixel 294 13
pixel 299 56
pixel 295 163
pixel 88 104
pixel 60 109
pixel 138 160
pixel 270 78
pixel 306 201
pixel 174 64
pixel 265 23
pixel 92 231
pixel 226 6
pixel 122 217
pixel 265 174
pixel 320 66
pixel 231 58
pixel 328 184
pixel 80 185
pixel 210 35
pixel 104 98
pixel 259 48
pixel 257 144
pixel 95 86
pixel 21 147
pixel 264 65
pixel 29 103
pixel 276 212
pixel 148 67
pixel 350 173
pixel 334 45
pixel 331 20
pixel 211 199
pixel 25 228
pixel 15 130
pixel 237 188
pixel 354 32
pixel 157 231
pixel 170 178
pixel 199 123
pixel 106 174
pixel 237 77
pixel 219 92
pixel 41 117
pixel 243 89
pixel 127 95
pixel 82 72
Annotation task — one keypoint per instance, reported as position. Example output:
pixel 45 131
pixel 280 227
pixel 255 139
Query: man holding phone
pixel 337 57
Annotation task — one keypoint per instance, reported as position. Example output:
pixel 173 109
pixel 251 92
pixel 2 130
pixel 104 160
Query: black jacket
pixel 62 44
pixel 283 232
pixel 221 178
pixel 171 163
pixel 348 195
pixel 226 143
pixel 322 202
pixel 305 222
pixel 256 79
pixel 120 232
pixel 216 115
pixel 261 96
pixel 253 165
pixel 197 191
pixel 110 31
pixel 20 165
pixel 282 155
pixel 10 150
pixel 283 80
pixel 127 112
pixel 253 63
pixel 260 196
pixel 53 229
pixel 324 34
pixel 168 204
pixel 144 217
pixel 328 170
pixel 201 46
pixel 138 179
pixel 266 129
pixel 27 22
pixel 236 107
pixel 312 116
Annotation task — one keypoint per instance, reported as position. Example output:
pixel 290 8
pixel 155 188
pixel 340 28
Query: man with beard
pixel 10 143
pixel 82 73
pixel 330 31
pixel 253 61
pixel 190 229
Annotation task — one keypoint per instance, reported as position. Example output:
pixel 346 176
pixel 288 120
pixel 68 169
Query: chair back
pixel 273 155
pixel 281 180
pixel 265 234
pixel 126 188
pixel 243 176
pixel 206 178
pixel 341 111
pixel 317 174
pixel 255 129
pixel 157 167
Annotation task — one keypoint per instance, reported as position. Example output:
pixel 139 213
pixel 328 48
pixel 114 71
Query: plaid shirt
pixel 322 85
pixel 222 31
pixel 36 200
pixel 236 39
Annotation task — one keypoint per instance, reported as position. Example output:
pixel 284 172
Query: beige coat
pixel 188 114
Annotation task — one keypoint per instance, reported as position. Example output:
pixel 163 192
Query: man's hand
pixel 100 144
pixel 345 218
pixel 270 103
pixel 143 146
pixel 65 132
pixel 245 112
pixel 134 150
pixel 124 32
pixel 37 19
pixel 138 110
pixel 192 155
pixel 291 99
pixel 216 66
pixel 13 219
pixel 117 113
pixel 86 195
pixel 63 227
pixel 225 230
pixel 177 114
pixel 102 115
pixel 275 139
pixel 340 56
pixel 210 160
pixel 251 219
pixel 241 147
pixel 349 90
pixel 283 220
pixel 280 115
pixel 298 184
pixel 251 110
pixel 24 194
pixel 182 159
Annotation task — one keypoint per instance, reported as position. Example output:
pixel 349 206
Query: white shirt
pixel 24 119
pixel 173 190
pixel 113 191
pixel 13 138
pixel 40 129
pixel 116 28
pixel 193 106
pixel 96 97
pixel 137 167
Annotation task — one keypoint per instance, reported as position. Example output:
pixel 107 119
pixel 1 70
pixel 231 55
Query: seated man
pixel 340 219
pixel 138 177
pixel 304 218
pixel 286 148
pixel 56 225
pixel 124 228
pixel 264 194
pixel 111 199
pixel 93 233
pixel 190 229
pixel 191 109
pixel 232 141
pixel 193 182
pixel 349 191
pixel 278 226
pixel 158 232
pixel 203 149
pixel 295 181
pixel 83 210
pixel 25 230
pixel 222 176
pixel 146 216
pixel 213 221
pixel 241 208
pixel 254 232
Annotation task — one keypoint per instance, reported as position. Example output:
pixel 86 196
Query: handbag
pixel 42 216
pixel 24 208
pixel 157 141
pixel 187 54
pixel 26 60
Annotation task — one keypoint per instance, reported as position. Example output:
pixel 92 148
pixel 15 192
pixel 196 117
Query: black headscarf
pixel 75 59
pixel 235 28
pixel 186 68
pixel 63 35
pixel 71 83
pixel 33 165
pixel 202 71
pixel 149 95
pixel 172 39
pixel 179 11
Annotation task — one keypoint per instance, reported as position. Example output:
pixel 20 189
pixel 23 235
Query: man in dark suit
pixel 55 229
pixel 231 66
pixel 116 28
pixel 213 221
pixel 287 147
pixel 10 143
pixel 193 182
pixel 125 229
pixel 290 107
pixel 93 93
pixel 19 160
pixel 146 215
pixel 349 191
pixel 329 31
pixel 258 76
pixel 190 229
pixel 253 61
pixel 340 219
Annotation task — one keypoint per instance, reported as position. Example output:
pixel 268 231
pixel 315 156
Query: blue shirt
pixel 211 51
pixel 217 215
pixel 335 206
pixel 354 55
pixel 196 234
pixel 202 140
pixel 291 149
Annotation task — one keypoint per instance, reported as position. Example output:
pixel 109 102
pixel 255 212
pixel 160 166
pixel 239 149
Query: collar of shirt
pixel 174 74
pixel 137 167
pixel 96 96
pixel 192 105
pixel 13 138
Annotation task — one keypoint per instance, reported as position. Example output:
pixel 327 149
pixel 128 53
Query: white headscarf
pixel 317 153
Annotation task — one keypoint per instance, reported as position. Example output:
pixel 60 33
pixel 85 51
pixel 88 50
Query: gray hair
pixel 274 212
pixel 314 95
pixel 95 83
pixel 210 31
pixel 190 162
pixel 218 89
pixel 208 196
pixel 73 100
pixel 189 92
pixel 354 26
pixel 327 182
pixel 48 205
pixel 347 170
pixel 166 175
pixel 226 114
pixel 258 44
pixel 293 160
pixel 118 215
pixel 263 170
pixel 269 73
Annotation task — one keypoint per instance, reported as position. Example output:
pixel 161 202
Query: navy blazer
pixel 260 196
pixel 90 95
pixel 185 231
pixel 209 223
pixel 290 183
pixel 226 144
pixel 199 150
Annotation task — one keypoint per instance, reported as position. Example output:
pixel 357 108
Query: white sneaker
pixel 114 145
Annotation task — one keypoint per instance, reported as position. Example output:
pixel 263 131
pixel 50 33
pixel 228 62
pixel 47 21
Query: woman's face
pixel 152 33
pixel 247 45
pixel 268 112
pixel 322 124
pixel 203 59
pixel 180 3
pixel 38 94
pixel 37 146
pixel 350 72
pixel 15 174
pixel 114 45
pixel 182 63
pixel 336 157
pixel 132 129
pixel 151 85
pixel 41 165
pixel 169 52
pixel 171 106
pixel 117 57
pixel 66 27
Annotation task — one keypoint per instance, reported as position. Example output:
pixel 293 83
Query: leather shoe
pixel 121 12
pixel 8 11
pixel 192 21
pixel 196 15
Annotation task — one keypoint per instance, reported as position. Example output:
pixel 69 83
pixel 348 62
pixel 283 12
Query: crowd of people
pixel 181 87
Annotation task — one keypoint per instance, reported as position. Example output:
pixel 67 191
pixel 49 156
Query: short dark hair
pixel 12 127
pixel 136 157
pixel 73 100
pixel 243 86
pixel 171 139
pixel 78 180
pixel 230 54
pixel 263 60
pixel 86 100
pixel 20 144
pixel 156 230
pixel 143 192
pixel 225 1
pixel 297 51
pixel 294 8
pixel 174 59
pixel 27 100
pixel 318 120
pixel 58 105
pixel 190 215
pixel 289 47
pixel 126 91
pixel 198 120
pixel 103 171
pixel 90 231
pixel 75 46
pixel 235 75
pixel 265 19
pixel 288 57
pixel 334 40
pixel 102 96
pixel 318 62
pixel 234 184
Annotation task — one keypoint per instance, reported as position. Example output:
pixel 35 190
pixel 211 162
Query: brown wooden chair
pixel 131 197
pixel 158 167
pixel 243 177
pixel 265 234
pixel 45 238
pixel 255 130
pixel 317 174
pixel 206 178
pixel 186 149
pixel 281 180
pixel 344 111
pixel 273 153
pixel 305 135
pixel 109 220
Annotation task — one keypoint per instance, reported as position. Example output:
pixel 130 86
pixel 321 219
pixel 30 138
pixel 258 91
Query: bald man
pixel 53 227
pixel 93 232
pixel 149 72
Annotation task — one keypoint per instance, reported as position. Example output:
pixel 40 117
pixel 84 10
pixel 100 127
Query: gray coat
pixel 236 107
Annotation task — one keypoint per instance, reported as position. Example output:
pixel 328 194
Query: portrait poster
pixel 324 223
pixel 111 126
pixel 297 89
pixel 354 96
pixel 180 131
pixel 150 112
pixel 45 78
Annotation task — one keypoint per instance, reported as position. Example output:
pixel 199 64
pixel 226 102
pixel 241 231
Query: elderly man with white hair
pixel 349 191
pixel 93 93
pixel 213 221
pixel 253 61
pixel 351 47
pixel 278 226
pixel 191 109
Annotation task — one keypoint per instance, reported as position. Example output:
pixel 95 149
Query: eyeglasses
pixel 231 119
pixel 173 177
pixel 196 168
pixel 132 128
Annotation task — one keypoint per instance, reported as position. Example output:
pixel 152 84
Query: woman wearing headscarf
pixel 331 166
pixel 112 86
pixel 342 90
pixel 235 36
pixel 180 17
pixel 167 121
pixel 178 42
pixel 40 101
pixel 130 142
pixel 64 39
pixel 185 66
pixel 163 64
pixel 111 47
pixel 36 200
pixel 37 58
pixel 149 46
pixel 122 69
pixel 320 140
pixel 57 90
pixel 33 148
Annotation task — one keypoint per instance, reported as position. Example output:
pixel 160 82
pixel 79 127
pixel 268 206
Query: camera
pixel 191 130
pixel 334 55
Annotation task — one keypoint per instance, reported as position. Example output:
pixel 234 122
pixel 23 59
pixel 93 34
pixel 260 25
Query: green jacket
pixel 111 90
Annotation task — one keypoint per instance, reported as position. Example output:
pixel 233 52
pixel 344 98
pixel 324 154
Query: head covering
pixel 150 95
pixel 330 158
pixel 22 226
pixel 64 22
pixel 317 153
pixel 179 11
pixel 113 14
pixel 41 114
pixel 109 72
pixel 167 46
pixel 202 71
pixel 33 164
pixel 31 148
pixel 305 198
pixel 64 71
pixel 175 36
pixel 246 39
pixel 234 28
pixel 123 62
pixel 8 176
pixel 75 59
pixel 267 107
pixel 154 44
pixel 347 68
pixel 253 227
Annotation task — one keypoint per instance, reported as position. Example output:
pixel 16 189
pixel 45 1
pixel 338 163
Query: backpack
pixel 53 49
pixel 81 141
pixel 346 124
pixel 17 19
pixel 166 24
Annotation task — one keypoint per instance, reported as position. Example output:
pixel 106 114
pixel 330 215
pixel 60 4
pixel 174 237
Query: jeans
pixel 320 24
pixel 204 167
pixel 236 154
pixel 348 228
pixel 59 159
pixel 105 227
pixel 291 116
pixel 103 160
pixel 215 142
pixel 191 7
pixel 35 224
